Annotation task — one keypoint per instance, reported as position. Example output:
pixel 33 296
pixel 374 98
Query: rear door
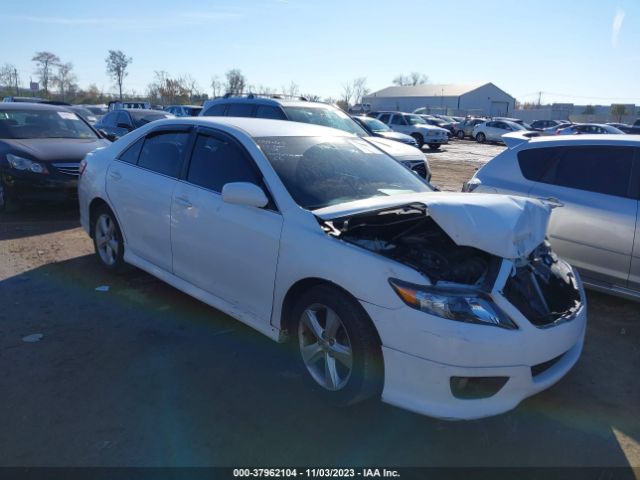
pixel 399 124
pixel 140 187
pixel 595 228
pixel 634 273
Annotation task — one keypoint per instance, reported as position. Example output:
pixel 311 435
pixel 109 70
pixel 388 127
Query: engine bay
pixel 408 235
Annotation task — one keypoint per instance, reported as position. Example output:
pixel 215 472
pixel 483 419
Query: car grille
pixel 420 169
pixel 68 168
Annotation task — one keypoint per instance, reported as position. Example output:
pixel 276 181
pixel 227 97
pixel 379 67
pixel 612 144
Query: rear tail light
pixel 83 165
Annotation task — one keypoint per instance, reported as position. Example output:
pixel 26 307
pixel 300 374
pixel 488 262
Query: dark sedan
pixel 376 128
pixel 41 147
pixel 119 122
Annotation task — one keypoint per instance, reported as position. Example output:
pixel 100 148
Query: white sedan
pixel 493 130
pixel 445 304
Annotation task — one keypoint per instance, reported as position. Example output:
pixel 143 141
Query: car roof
pixel 188 106
pixel 257 100
pixel 32 106
pixel 587 139
pixel 261 127
pixel 140 110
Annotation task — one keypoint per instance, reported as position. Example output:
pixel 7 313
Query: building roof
pixel 429 90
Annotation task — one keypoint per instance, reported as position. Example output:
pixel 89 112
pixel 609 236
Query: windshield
pixel 142 118
pixel 43 124
pixel 323 171
pixel 82 111
pixel 326 116
pixel 414 119
pixel 375 125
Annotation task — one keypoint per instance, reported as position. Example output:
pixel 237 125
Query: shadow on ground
pixel 144 375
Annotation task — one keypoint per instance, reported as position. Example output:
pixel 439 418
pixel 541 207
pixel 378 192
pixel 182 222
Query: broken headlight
pixel 470 306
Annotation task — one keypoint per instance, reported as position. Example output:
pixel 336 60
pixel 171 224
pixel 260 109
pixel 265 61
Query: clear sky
pixel 574 51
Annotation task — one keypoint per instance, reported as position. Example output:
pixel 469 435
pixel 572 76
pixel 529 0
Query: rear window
pixel 216 110
pixel 240 110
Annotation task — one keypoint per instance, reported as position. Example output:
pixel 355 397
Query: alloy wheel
pixel 107 242
pixel 325 347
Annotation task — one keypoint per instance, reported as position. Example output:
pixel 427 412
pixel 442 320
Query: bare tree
pixel 414 78
pixel 347 95
pixel 9 77
pixel 117 63
pixel 293 90
pixel 312 97
pixel 64 78
pixel 359 89
pixel 216 86
pixel 619 111
pixel 190 84
pixel 236 82
pixel 44 61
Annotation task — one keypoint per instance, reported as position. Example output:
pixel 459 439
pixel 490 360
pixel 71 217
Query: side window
pixel 535 162
pixel 398 120
pixel 109 119
pixel 265 111
pixel 240 110
pixel 596 169
pixel 131 154
pixel 123 117
pixel 384 118
pixel 216 162
pixel 216 110
pixel 162 153
pixel 491 125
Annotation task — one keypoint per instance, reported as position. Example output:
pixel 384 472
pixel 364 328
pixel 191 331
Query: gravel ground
pixel 143 375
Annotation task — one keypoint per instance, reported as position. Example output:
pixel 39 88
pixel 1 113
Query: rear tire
pixel 107 240
pixel 434 146
pixel 338 347
pixel 419 139
pixel 481 138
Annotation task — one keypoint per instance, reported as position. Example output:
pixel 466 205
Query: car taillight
pixel 83 165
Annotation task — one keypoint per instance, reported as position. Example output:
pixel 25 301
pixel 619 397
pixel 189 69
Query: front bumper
pixel 23 185
pixel 422 353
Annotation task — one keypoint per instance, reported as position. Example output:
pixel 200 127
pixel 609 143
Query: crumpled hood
pixel 51 149
pixel 396 149
pixel 503 225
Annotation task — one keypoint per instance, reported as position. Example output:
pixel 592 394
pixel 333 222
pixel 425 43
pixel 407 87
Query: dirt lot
pixel 144 375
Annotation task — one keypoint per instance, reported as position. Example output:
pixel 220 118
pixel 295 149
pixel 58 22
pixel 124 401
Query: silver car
pixel 594 180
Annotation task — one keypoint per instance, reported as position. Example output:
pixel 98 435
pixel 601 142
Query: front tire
pixel 460 134
pixel 107 240
pixel 338 348
pixel 419 139
pixel 481 138
pixel 7 204
pixel 434 146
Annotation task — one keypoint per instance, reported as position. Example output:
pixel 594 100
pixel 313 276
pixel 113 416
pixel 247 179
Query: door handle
pixel 553 201
pixel 115 175
pixel 184 201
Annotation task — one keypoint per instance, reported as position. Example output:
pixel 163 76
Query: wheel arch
pixel 95 204
pixel 305 284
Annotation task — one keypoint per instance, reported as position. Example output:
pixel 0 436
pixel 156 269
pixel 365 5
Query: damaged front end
pixel 461 277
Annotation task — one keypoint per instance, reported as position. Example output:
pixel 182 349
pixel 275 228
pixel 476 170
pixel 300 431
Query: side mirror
pixel 126 126
pixel 244 193
pixel 109 136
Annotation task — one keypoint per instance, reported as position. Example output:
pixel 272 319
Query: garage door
pixel 499 109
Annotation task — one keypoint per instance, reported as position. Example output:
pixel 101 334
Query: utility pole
pixel 539 99
pixel 15 77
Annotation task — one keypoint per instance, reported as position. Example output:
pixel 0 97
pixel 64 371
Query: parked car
pixel 595 181
pixel 542 124
pixel 493 130
pixel 40 151
pixel 465 128
pixel 626 128
pixel 376 128
pixel 439 303
pixel 438 122
pixel 184 110
pixel 11 99
pixel 520 122
pixel 590 129
pixel 119 122
pixel 554 130
pixel 360 109
pixel 298 109
pixel 84 113
pixel 128 104
pixel 414 125
pixel 98 111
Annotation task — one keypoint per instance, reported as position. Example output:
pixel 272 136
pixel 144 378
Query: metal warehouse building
pixel 475 99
